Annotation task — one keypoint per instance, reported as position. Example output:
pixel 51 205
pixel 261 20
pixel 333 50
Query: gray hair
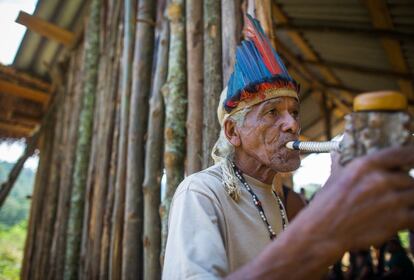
pixel 223 154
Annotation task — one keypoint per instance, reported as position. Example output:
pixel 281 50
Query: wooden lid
pixel 380 101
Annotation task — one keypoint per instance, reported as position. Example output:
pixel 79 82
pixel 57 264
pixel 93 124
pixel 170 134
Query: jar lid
pixel 380 101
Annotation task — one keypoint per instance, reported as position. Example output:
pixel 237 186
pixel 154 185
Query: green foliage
pixel 405 239
pixel 11 250
pixel 16 207
pixel 13 221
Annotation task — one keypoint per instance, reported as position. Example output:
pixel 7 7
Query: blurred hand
pixel 365 202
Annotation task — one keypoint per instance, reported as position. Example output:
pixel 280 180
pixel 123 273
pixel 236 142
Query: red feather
pixel 263 45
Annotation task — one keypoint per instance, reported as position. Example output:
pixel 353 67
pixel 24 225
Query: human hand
pixel 364 204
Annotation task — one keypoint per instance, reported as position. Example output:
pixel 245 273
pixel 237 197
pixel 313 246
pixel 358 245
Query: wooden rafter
pixel 10 88
pixel 13 128
pixel 366 32
pixel 46 29
pixel 307 51
pixel 381 19
pixel 359 69
pixel 12 74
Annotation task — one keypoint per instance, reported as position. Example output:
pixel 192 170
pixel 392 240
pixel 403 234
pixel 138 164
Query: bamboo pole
pixel 194 30
pixel 138 115
pixel 115 264
pixel 212 76
pixel 153 156
pixel 174 93
pixel 83 144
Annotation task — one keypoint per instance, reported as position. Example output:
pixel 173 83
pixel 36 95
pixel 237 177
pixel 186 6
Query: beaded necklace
pixel 259 206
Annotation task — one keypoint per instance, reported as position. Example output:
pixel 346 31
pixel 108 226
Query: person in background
pixel 399 266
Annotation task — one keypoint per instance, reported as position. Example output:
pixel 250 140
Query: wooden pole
pixel 115 265
pixel 213 84
pixel 71 106
pixel 194 30
pixel 232 23
pixel 109 201
pixel 153 156
pixel 34 232
pixel 175 110
pixel 83 145
pixel 138 115
pixel 103 144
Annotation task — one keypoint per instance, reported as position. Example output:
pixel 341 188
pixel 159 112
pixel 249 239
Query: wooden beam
pixel 46 29
pixel 366 32
pixel 381 19
pixel 12 74
pixel 307 51
pixel 7 87
pixel 359 69
pixel 25 120
pixel 27 131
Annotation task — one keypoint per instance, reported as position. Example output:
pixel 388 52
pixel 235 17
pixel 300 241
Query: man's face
pixel 267 128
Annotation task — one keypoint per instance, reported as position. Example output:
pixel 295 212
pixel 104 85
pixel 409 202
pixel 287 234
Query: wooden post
pixel 71 107
pixel 115 264
pixel 194 28
pixel 83 144
pixel 106 239
pixel 138 115
pixel 175 110
pixel 213 84
pixel 103 143
pixel 232 22
pixel 34 232
pixel 153 156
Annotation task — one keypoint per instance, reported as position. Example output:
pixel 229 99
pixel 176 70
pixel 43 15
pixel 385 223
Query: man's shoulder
pixel 208 182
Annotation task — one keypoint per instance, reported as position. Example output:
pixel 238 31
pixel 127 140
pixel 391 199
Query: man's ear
pixel 232 133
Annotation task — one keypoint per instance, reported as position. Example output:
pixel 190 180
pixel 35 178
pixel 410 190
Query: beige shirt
pixel 210 235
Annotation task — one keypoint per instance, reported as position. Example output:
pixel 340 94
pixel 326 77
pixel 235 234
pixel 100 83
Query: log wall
pixel 130 104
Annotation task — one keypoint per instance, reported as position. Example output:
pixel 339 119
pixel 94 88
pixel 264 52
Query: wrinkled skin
pixel 260 142
pixel 363 204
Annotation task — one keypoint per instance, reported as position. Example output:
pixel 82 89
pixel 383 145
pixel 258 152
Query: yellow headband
pixel 222 114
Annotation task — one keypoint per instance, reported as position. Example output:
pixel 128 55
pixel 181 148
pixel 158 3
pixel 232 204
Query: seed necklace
pixel 259 206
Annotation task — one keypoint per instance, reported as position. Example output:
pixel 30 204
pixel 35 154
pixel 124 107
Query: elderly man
pixel 229 221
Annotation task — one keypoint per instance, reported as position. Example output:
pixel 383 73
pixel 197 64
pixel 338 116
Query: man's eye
pixel 295 114
pixel 272 112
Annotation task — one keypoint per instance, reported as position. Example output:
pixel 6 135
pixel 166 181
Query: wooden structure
pixel 122 89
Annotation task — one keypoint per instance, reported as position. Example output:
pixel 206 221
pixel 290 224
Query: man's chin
pixel 287 166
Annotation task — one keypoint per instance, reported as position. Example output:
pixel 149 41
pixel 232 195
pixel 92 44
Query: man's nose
pixel 290 123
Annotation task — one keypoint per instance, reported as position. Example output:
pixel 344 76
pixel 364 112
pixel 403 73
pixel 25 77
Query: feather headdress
pixel 259 73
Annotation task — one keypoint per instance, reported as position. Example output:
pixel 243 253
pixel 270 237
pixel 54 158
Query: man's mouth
pixel 289 140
